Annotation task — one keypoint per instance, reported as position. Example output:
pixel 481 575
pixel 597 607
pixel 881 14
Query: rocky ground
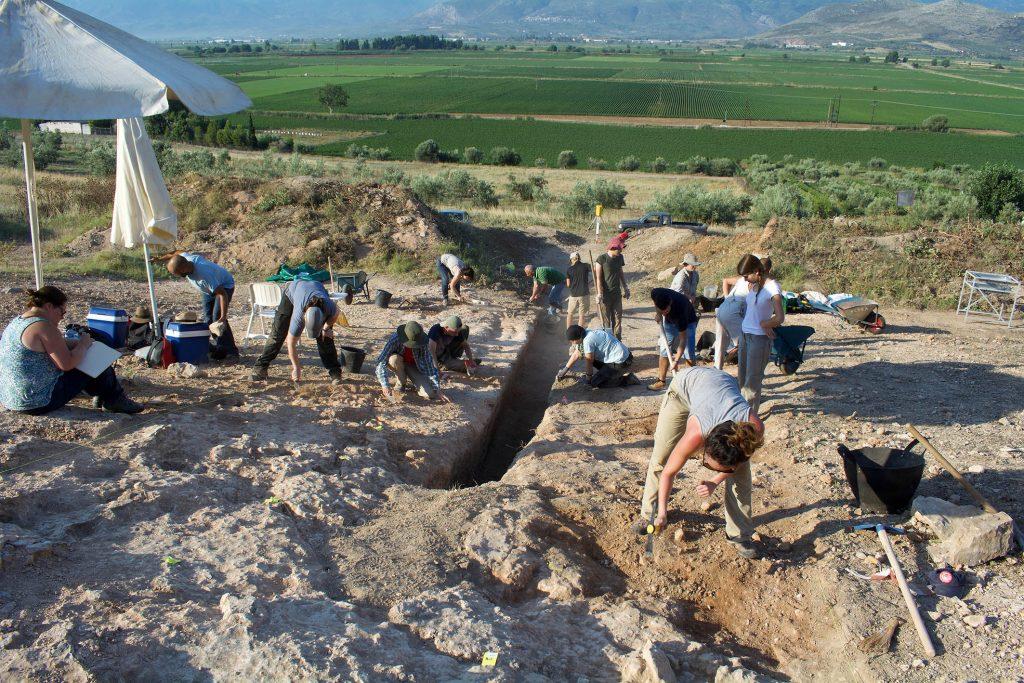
pixel 254 532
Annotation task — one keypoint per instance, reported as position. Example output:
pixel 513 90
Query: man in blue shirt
pixel 216 286
pixel 406 355
pixel 608 359
pixel 305 307
pixel 676 317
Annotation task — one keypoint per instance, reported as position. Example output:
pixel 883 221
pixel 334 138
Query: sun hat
pixel 186 317
pixel 218 328
pixel 411 335
pixel 574 256
pixel 690 260
pixel 453 323
pixel 616 243
pixel 314 319
pixel 142 314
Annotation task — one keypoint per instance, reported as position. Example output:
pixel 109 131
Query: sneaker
pixel 259 374
pixel 743 547
pixel 552 310
pixel 657 386
pixel 123 404
pixel 97 403
pixel 445 302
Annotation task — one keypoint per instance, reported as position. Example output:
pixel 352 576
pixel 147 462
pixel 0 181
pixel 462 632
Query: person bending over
pixel 453 272
pixel 305 307
pixel 675 316
pixel 216 287
pixel 543 278
pixel 608 360
pixel 38 366
pixel 449 345
pixel 704 413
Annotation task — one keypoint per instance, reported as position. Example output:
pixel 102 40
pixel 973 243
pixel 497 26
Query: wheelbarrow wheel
pixel 876 325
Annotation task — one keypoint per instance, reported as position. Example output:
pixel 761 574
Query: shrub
pixel 567 159
pixel 775 201
pixel 452 186
pixel 355 151
pixel 473 155
pixel 540 162
pixel 597 164
pixel 503 156
pixel 528 190
pixel 392 175
pixel 101 160
pixel 585 196
pixel 693 202
pixel 630 163
pixel 428 151
pixel 996 185
pixel 1010 214
pixel 936 124
pixel 722 167
pixel 878 163
pixel 659 165
pixel 961 206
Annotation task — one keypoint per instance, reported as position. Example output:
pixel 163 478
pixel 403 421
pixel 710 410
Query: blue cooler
pixel 190 341
pixel 110 325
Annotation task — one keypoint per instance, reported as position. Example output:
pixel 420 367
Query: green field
pixel 736 87
pixel 533 139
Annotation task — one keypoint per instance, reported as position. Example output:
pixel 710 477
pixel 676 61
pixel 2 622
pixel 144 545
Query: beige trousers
pixel 675 411
pixel 579 308
pixel 406 373
pixel 754 353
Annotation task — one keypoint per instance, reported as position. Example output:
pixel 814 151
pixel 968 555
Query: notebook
pixel 98 358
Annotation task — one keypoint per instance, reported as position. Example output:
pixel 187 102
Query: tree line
pixel 409 42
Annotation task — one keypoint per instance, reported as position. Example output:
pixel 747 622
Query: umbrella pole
pixel 152 292
pixel 30 193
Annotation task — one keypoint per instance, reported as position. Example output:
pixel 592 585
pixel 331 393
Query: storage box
pixel 190 341
pixel 109 325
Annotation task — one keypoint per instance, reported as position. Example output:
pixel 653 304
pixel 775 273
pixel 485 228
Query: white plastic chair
pixel 265 298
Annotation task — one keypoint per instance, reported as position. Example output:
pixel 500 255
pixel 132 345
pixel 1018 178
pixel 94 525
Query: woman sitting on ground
pixel 38 365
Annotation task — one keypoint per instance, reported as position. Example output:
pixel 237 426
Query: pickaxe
pixel 883 535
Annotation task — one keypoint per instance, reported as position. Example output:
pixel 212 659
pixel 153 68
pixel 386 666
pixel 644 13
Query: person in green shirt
pixel 543 278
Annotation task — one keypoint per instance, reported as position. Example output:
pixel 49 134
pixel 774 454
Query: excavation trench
pixel 522 405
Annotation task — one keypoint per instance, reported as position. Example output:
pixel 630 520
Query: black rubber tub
pixel 883 480
pixel 352 358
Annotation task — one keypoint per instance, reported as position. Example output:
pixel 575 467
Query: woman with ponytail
pixel 38 365
pixel 704 412
pixel 764 312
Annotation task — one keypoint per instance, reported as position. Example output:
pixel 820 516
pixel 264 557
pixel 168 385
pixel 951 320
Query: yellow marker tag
pixel 490 659
pixel 273 500
pixel 650 528
pixel 170 561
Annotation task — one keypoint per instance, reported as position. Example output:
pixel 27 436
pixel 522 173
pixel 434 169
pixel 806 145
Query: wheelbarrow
pixel 788 347
pixel 359 282
pixel 863 312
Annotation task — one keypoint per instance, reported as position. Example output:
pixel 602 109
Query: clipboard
pixel 98 358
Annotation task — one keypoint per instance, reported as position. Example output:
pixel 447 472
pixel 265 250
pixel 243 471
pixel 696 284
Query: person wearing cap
pixel 453 272
pixel 608 360
pixel 577 279
pixel 688 278
pixel 216 287
pixel 305 307
pixel 543 278
pixel 449 345
pixel 675 316
pixel 407 356
pixel 611 285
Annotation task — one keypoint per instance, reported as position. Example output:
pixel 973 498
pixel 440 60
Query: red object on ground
pixel 166 354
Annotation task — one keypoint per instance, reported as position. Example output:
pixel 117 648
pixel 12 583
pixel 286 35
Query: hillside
pixel 956 23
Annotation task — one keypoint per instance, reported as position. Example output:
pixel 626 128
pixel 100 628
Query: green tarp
pixel 303 271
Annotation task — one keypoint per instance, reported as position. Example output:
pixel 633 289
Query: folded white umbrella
pixel 59 63
pixel 143 212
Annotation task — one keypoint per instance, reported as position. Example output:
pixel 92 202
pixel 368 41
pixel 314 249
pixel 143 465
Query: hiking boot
pixel 743 547
pixel 335 377
pixel 97 403
pixel 657 386
pixel 445 302
pixel 122 404
pixel 259 374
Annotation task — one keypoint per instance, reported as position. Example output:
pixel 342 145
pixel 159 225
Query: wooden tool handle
pixel 974 493
pixel 908 597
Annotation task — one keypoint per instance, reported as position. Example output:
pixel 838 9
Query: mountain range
pixel 948 22
pixel 944 24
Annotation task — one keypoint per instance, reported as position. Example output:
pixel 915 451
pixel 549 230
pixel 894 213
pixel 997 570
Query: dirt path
pixel 259 532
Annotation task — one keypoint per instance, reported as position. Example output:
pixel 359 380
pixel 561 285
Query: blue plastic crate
pixel 109 325
pixel 190 341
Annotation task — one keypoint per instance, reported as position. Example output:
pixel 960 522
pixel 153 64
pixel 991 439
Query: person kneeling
pixel 405 354
pixel 38 366
pixel 449 345
pixel 704 412
pixel 608 360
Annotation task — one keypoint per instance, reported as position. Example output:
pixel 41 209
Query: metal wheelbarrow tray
pixel 358 281
pixel 860 311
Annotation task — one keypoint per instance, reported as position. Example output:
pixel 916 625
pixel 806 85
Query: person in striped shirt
pixel 407 358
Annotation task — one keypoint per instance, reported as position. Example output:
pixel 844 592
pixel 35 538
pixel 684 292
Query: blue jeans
pixel 446 280
pixel 672 334
pixel 225 345
pixel 556 295
pixel 74 382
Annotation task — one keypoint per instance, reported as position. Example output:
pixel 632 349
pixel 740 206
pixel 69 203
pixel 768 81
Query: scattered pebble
pixel 976 469
pixel 975 620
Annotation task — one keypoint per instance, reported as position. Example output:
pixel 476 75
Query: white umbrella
pixel 58 63
pixel 143 211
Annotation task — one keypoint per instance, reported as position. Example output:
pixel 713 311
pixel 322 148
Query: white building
pixel 75 127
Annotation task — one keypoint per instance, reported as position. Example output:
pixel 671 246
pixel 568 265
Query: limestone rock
pixel 967 535
pixel 657 668
pixel 185 371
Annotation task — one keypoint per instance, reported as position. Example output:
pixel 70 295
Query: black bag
pixel 139 336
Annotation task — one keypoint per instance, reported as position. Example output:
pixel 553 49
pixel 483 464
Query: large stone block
pixel 967 535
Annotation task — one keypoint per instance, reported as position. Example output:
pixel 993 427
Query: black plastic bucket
pixel 883 480
pixel 383 298
pixel 352 358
